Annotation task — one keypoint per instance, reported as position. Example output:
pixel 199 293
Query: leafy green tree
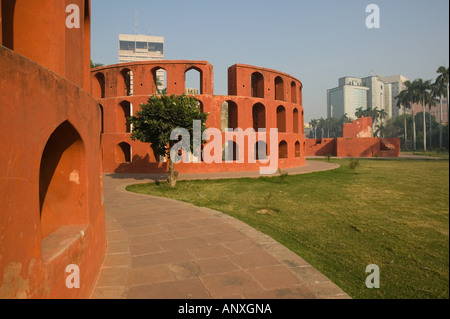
pixel 95 65
pixel 157 119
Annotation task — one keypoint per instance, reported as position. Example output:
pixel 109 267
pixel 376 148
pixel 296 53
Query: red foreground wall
pixel 276 95
pixel 357 142
pixel 51 178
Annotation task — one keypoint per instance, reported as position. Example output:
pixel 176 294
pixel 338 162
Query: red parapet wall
pixel 321 147
pixel 278 105
pixel 360 128
pixel 52 210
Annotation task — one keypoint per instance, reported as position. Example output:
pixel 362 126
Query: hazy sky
pixel 315 41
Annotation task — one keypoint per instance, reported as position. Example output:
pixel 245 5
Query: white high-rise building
pixel 368 93
pixel 397 82
pixel 135 48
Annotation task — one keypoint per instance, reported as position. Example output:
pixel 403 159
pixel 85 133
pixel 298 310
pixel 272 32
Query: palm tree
pixel 381 115
pixel 412 98
pixel 403 99
pixel 359 112
pixel 373 113
pixel 443 78
pixel 380 129
pixel 441 91
pixel 422 90
pixel 314 124
pixel 432 101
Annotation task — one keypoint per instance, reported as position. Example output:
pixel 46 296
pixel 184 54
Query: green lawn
pixel 393 213
pixel 443 155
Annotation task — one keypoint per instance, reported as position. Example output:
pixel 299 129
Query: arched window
pixel 259 116
pixel 63 180
pixel 159 76
pixel 257 83
pixel 102 118
pixel 297 149
pixel 283 149
pixel 125 83
pixel 98 89
pixel 261 150
pixel 229 115
pixel 295 121
pixel 123 153
pixel 122 114
pixel 302 121
pixel 293 92
pixel 193 81
pixel 281 119
pixel 230 151
pixel 279 88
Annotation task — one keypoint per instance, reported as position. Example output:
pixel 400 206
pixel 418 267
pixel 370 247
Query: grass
pixel 392 213
pixel 442 155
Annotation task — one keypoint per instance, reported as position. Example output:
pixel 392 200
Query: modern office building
pixel 138 48
pixel 397 82
pixel 368 93
pixel 347 97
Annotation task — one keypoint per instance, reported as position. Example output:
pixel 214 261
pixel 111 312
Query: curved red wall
pixel 109 89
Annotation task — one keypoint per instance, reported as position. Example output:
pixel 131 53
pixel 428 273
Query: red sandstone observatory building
pixel 50 178
pixel 257 98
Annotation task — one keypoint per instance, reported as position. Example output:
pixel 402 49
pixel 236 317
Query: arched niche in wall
pixel 257 85
pixel 63 181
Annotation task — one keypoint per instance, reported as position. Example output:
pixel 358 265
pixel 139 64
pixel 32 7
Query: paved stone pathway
pixel 165 249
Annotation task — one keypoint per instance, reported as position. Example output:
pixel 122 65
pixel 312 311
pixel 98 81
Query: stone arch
pixel 193 77
pixel 293 92
pixel 98 90
pixel 259 116
pixel 257 85
pixel 283 150
pixel 281 119
pixel 233 151
pixel 261 150
pixel 295 120
pixel 123 153
pixel 279 88
pixel 159 76
pixel 125 82
pixel 123 112
pixel 63 180
pixel 102 118
pixel 229 115
pixel 297 149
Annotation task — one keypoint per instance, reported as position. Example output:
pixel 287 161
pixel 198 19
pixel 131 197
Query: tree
pixel 95 65
pixel 413 98
pixel 359 112
pixel 314 124
pixel 432 101
pixel 442 81
pixel 157 119
pixel 403 99
pixel 422 88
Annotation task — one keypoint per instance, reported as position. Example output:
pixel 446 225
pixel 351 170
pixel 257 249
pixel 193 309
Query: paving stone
pixel 273 277
pixel 254 259
pixel 182 289
pixel 230 283
pixel 217 265
pixel 150 275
